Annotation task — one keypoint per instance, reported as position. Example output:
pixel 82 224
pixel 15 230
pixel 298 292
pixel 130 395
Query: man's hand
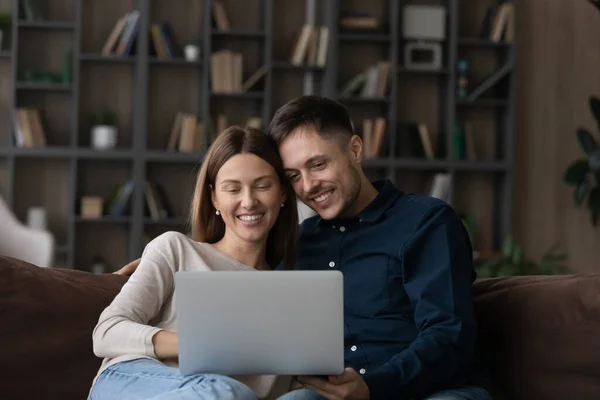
pixel 129 268
pixel 347 386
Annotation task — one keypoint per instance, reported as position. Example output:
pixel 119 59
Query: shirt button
pixel 362 371
pixel 331 264
pixel 353 348
pixel 342 228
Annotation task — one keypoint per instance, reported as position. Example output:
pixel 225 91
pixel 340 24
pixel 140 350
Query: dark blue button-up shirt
pixel 407 264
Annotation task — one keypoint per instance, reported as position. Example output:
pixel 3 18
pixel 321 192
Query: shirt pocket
pixel 366 286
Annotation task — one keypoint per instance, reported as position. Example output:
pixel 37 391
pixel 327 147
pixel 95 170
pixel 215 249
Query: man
pixel 410 329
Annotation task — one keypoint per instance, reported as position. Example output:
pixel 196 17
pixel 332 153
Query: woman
pixel 243 217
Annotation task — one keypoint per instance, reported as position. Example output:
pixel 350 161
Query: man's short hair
pixel 327 116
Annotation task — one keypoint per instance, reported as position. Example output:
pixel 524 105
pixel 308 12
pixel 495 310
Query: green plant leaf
pixel 594 205
pixel 594 199
pixel 577 172
pixel 595 3
pixel 586 141
pixel 581 191
pixel 507 248
pixel 595 102
pixel 517 255
pixel 594 161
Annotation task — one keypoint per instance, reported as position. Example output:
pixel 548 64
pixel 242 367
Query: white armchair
pixel 22 242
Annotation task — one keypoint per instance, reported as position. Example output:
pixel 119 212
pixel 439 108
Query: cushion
pixel 541 335
pixel 47 320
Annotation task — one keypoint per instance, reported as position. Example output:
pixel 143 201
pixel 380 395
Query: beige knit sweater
pixel 145 305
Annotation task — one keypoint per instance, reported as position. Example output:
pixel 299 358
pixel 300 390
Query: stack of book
pixel 227 73
pixel 310 46
pixel 163 42
pixel 122 38
pixel 187 134
pixel 29 129
pixel 372 135
pixel 370 83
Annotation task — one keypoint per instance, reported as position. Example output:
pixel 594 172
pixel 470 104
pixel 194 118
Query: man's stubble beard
pixel 353 191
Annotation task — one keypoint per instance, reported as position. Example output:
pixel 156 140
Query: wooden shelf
pixel 147 92
pixel 365 37
pixel 182 62
pixel 96 57
pixel 441 164
pixel 41 152
pixel 47 25
pixel 364 100
pixel 483 43
pixel 165 156
pixel 285 65
pixel 48 87
pixel 105 219
pixel 166 221
pixel 239 35
pixel 483 103
pixel 239 96
pixel 404 70
pixel 112 154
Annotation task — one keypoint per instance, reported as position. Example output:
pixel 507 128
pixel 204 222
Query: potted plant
pixel 5 28
pixel 104 130
pixel 513 262
pixel 585 170
pixel 192 51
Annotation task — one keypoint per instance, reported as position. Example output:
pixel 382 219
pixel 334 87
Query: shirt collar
pixel 387 194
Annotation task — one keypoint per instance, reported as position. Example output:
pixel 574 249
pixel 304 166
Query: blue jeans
pixel 146 379
pixel 466 393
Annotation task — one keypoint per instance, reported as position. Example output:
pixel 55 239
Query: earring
pixel 282 205
pixel 218 212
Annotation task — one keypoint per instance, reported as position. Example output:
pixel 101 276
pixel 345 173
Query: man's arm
pixel 129 268
pixel 438 275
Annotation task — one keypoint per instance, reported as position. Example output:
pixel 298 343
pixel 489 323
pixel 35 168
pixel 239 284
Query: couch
pixel 540 335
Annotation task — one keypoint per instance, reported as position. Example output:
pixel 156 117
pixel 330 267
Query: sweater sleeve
pixel 123 326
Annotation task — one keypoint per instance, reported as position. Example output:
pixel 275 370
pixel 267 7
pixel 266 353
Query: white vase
pixel 192 52
pixel 36 218
pixel 104 137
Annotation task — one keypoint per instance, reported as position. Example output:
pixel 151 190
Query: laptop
pixel 260 322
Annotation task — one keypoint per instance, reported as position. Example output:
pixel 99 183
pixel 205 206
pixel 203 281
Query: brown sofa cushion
pixel 541 335
pixel 47 320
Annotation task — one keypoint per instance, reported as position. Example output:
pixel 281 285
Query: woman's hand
pixel 128 269
pixel 165 345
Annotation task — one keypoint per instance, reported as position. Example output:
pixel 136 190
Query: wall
pixel 558 69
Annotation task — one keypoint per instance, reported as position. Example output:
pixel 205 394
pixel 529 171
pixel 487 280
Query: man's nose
pixel 309 184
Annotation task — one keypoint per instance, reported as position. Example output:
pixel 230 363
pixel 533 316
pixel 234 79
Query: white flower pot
pixel 104 137
pixel 192 52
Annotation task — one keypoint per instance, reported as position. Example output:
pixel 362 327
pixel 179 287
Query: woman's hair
pixel 208 227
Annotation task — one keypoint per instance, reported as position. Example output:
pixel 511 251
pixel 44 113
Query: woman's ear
pixel 213 197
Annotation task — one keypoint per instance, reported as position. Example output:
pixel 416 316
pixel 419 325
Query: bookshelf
pixel 146 92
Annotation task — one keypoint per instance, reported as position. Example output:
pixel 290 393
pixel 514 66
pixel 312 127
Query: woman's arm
pixel 123 326
pixel 165 345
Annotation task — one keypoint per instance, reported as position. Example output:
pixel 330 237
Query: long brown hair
pixel 208 227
